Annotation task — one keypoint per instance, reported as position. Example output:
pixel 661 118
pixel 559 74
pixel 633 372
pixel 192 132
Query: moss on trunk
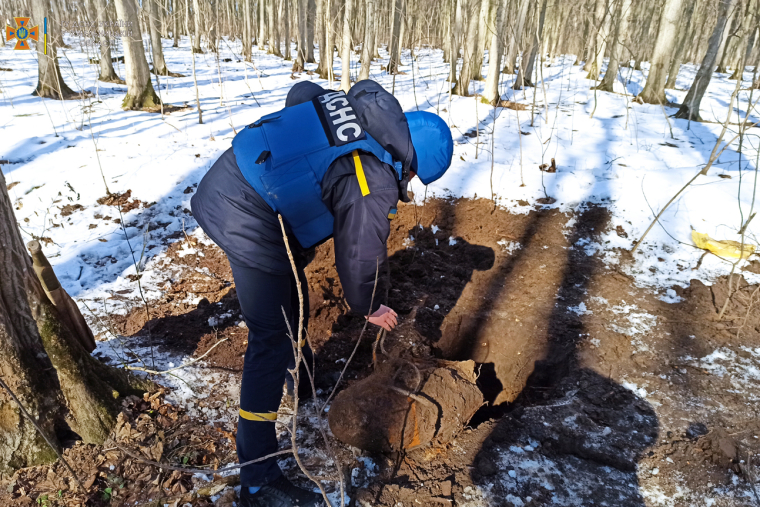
pixel 146 98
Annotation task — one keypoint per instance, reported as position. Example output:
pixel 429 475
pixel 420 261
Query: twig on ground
pixel 204 471
pixel 154 372
pixel 39 430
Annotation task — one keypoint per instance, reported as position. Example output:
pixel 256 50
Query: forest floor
pixel 610 379
pixel 635 398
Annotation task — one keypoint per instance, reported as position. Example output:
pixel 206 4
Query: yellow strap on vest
pixel 360 174
pixel 262 417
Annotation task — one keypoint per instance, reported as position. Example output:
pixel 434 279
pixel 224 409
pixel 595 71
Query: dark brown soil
pixel 597 394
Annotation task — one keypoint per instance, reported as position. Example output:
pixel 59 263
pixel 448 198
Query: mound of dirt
pixel 405 405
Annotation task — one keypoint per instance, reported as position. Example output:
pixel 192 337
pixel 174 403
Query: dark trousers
pixel 269 354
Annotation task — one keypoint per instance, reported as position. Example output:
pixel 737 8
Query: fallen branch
pixel 154 372
pixel 199 470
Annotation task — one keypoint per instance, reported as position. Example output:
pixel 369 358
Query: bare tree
pixel 654 90
pixel 469 53
pixel 621 31
pixel 59 383
pixel 298 64
pixel 159 64
pixel 367 44
pixel 107 73
pixel 274 28
pixel 690 107
pixel 491 92
pixel 198 29
pixel 247 30
pixel 345 56
pixel 394 49
pixel 605 13
pixel 140 91
pixel 50 83
pixel 515 34
pixel 529 55
pixel 685 32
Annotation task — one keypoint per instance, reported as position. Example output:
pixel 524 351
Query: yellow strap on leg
pixel 360 174
pixel 262 417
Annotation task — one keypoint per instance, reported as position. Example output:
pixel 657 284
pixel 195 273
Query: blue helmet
pixel 433 144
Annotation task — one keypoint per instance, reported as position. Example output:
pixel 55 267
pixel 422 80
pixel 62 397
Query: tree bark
pixel 456 33
pixel 285 11
pixel 469 54
pixel 159 64
pixel 491 92
pixel 345 57
pixel 263 33
pixel 311 8
pixel 274 29
pixel 654 90
pixel 50 83
pixel 728 40
pixel 394 49
pixel 198 29
pixel 621 32
pixel 515 33
pixel 690 107
pixel 247 31
pixel 600 42
pixel 483 32
pixel 140 91
pixel 298 64
pixel 107 73
pixel 367 44
pixel 749 25
pixel 526 66
pixel 175 19
pixel 57 381
pixel 675 64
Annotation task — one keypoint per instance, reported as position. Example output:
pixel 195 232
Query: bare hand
pixel 384 317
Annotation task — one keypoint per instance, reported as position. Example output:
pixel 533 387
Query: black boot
pixel 280 493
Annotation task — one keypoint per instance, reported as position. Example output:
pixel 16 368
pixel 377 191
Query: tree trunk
pixel 675 64
pixel 322 28
pixel 50 82
pixel 57 381
pixel 139 87
pixel 515 33
pixel 456 32
pixel 727 40
pixel 526 66
pixel 367 44
pixel 298 64
pixel 345 57
pixel 175 19
pixel 600 42
pixel 621 32
pixel 749 25
pixel 311 8
pixel 483 31
pixel 654 90
pixel 197 20
pixel 393 50
pixel 491 92
pixel 247 31
pixel 107 73
pixel 690 107
pixel 597 18
pixel 263 33
pixel 274 29
pixel 462 86
pixel 285 16
pixel 159 64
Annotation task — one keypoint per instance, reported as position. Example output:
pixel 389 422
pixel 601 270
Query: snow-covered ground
pixel 628 157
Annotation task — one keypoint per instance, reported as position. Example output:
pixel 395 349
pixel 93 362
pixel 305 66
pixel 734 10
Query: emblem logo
pixel 22 33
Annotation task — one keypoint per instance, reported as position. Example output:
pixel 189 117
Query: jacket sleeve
pixel 361 231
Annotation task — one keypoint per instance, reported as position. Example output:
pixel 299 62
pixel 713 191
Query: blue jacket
pixel 246 227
